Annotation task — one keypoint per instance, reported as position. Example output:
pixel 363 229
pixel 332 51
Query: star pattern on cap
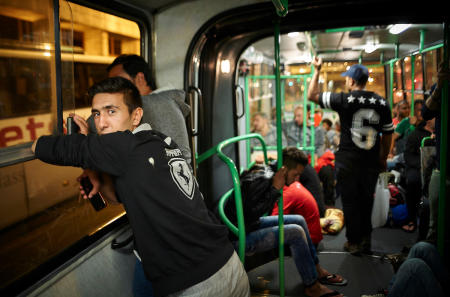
pixel 350 99
pixel 372 100
pixel 361 99
pixel 383 102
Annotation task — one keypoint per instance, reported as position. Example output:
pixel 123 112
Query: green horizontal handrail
pixel 274 148
pixel 422 143
pixel 239 231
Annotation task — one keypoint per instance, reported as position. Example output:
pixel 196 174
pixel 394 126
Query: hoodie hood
pixel 176 95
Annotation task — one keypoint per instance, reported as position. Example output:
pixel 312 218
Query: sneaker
pixel 352 248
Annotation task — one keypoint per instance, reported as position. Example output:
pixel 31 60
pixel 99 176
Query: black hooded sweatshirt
pixel 178 239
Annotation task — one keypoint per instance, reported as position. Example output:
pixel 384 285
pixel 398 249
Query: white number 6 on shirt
pixel 364 137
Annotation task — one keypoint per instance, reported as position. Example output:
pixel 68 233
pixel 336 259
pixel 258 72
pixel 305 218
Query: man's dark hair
pixel 112 85
pixel 419 101
pixel 132 65
pixel 261 114
pixel 328 122
pixel 362 81
pixel 292 157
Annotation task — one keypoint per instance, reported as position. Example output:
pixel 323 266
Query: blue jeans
pixel 142 287
pixel 422 274
pixel 296 236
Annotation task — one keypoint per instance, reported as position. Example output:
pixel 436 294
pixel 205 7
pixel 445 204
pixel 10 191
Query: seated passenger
pixel 264 237
pixel 296 198
pixel 262 126
pixel 423 274
pixel 310 180
pixel 319 131
pixel 329 134
pixel 294 131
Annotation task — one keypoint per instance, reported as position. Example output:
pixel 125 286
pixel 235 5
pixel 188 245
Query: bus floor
pixel 366 274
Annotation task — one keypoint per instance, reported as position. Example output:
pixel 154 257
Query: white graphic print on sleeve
pixel 182 176
pixel 364 137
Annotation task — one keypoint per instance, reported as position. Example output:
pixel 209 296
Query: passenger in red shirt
pixel 298 200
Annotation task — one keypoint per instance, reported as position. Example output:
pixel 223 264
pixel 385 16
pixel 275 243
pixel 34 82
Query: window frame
pixel 22 153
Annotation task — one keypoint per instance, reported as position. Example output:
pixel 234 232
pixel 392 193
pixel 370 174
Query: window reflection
pixel 43 214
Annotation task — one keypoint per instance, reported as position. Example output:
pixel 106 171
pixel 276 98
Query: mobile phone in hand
pixel 72 127
pixel 97 200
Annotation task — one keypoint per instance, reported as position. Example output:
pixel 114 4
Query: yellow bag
pixel 333 221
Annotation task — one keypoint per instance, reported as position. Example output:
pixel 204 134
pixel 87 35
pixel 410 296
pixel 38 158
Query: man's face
pixel 418 111
pixel 111 113
pixel 258 123
pixel 404 110
pixel 293 174
pixel 349 83
pixel 298 116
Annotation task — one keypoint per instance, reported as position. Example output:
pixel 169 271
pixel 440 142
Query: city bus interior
pixel 224 56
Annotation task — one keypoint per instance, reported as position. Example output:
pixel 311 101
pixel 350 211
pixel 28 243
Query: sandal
pixel 334 293
pixel 409 228
pixel 333 279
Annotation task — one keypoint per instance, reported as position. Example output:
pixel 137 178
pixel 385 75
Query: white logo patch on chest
pixel 182 176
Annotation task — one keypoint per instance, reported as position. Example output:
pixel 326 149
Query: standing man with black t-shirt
pixel 362 152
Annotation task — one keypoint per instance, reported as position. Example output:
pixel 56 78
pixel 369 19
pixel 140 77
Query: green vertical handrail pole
pixel 413 87
pixel 443 157
pixel 391 84
pixel 422 40
pixel 247 117
pixel 313 134
pixel 279 152
pixel 283 94
pixel 281 7
pixel 305 102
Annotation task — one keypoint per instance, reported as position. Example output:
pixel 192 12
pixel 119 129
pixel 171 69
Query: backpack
pixel 258 196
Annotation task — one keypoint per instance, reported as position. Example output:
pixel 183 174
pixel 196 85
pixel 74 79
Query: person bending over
pixel 264 237
pixel 296 198
pixel 184 251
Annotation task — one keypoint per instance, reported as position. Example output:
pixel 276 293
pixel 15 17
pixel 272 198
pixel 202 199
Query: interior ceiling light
pixel 370 48
pixel 225 66
pixel 293 34
pixel 398 28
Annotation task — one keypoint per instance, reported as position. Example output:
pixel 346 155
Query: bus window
pixel 418 77
pixel 398 83
pixel 376 82
pixel 40 211
pixel 431 66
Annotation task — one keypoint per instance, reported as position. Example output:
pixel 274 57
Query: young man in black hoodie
pixel 184 251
